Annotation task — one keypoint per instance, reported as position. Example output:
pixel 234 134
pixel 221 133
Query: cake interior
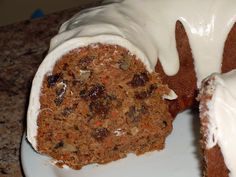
pixel 99 104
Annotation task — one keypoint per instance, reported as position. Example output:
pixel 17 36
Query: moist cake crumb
pixel 99 104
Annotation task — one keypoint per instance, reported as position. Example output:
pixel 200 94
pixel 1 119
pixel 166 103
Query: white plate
pixel 179 159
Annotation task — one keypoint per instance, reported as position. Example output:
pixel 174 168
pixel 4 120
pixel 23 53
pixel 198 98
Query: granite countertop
pixel 22 48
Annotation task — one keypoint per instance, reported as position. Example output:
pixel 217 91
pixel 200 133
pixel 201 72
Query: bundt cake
pixel 116 76
pixel 217 114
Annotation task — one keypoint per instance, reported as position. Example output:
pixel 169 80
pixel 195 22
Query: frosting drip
pixel 150 26
pixel 146 29
pixel 222 118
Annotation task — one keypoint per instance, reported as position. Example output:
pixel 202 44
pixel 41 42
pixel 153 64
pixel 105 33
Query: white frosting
pixel 150 26
pixel 147 29
pixel 222 118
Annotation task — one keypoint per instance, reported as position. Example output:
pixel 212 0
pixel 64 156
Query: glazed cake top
pixel 150 28
pixel 147 30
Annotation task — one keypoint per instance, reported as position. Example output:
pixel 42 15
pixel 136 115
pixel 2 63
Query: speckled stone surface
pixel 22 48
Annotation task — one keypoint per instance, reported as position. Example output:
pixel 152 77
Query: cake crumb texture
pixel 99 104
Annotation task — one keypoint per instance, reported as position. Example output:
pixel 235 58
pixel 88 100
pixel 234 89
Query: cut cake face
pixel 144 32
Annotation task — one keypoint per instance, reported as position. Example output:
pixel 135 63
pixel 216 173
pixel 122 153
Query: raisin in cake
pixel 96 108
pixel 116 75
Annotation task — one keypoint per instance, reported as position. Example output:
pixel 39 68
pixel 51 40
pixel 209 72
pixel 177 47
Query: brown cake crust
pixel 213 160
pixel 213 165
pixel 184 84
pixel 229 55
